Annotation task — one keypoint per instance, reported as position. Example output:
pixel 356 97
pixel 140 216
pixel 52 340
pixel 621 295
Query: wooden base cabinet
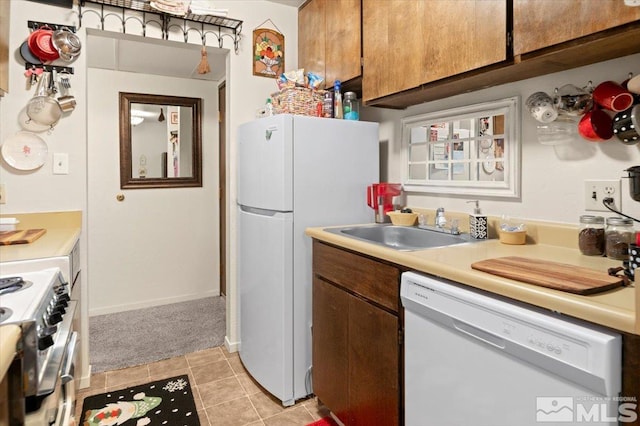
pixel 356 341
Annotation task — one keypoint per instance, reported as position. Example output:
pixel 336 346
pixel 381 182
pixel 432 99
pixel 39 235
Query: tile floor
pixel 224 392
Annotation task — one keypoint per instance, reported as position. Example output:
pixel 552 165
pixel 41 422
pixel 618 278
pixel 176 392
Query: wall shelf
pixel 144 14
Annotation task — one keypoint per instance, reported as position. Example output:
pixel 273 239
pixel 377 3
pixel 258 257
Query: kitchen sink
pixel 401 237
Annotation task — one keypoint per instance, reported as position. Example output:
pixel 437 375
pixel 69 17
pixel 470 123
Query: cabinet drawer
pixel 366 277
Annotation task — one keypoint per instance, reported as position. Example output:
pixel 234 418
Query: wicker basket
pixel 297 100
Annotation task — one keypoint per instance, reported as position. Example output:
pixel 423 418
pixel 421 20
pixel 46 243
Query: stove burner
pixel 5 313
pixel 12 284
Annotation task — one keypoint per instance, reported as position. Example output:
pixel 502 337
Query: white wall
pixel 552 177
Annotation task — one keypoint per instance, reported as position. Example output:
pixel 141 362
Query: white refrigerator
pixel 294 172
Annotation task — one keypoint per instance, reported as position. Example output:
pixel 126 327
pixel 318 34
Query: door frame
pixel 222 183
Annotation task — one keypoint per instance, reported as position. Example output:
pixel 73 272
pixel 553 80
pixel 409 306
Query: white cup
pixel 540 106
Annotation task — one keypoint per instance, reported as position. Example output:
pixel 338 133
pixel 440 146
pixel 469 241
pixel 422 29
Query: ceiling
pixel 294 3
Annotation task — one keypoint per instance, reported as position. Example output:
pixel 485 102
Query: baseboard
pixel 85 381
pixel 231 347
pixel 149 303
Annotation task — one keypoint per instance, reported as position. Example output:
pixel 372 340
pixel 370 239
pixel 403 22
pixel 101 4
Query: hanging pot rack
pixel 141 12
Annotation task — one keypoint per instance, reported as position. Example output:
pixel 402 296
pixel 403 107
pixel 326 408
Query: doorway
pixel 148 247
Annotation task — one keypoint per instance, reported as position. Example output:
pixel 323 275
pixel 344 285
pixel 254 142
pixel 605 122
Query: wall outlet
pixel 597 190
pixel 3 194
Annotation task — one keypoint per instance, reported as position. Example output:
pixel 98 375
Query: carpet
pixel 127 339
pixel 325 421
pixel 168 401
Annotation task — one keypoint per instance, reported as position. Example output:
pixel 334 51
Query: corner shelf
pixel 232 27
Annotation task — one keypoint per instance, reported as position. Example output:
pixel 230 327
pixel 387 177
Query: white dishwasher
pixel 475 359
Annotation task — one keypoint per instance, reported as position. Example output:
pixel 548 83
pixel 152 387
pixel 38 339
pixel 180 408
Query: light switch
pixel 60 163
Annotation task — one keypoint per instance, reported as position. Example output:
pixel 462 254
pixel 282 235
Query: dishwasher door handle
pixel 479 334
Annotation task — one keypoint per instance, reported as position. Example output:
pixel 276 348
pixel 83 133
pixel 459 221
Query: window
pixel 472 150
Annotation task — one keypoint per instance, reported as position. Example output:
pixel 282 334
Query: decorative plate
pixel 489 164
pixel 24 151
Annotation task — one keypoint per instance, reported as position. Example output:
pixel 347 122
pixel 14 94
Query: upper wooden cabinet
pixel 408 43
pixel 540 24
pixel 329 39
pixel 417 51
pixel 4 47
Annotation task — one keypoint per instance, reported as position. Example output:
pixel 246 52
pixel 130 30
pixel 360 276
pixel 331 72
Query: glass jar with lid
pixel 350 106
pixel 591 235
pixel 618 235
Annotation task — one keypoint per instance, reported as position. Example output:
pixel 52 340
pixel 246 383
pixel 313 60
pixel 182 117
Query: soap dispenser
pixel 478 226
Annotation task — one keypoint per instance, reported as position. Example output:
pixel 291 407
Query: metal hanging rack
pixel 141 12
pixel 35 25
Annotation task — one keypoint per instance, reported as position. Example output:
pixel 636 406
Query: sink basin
pixel 401 237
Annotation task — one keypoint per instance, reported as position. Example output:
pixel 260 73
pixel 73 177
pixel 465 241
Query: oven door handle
pixel 68 368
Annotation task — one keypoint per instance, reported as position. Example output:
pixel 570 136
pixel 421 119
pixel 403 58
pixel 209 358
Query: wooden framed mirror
pixel 160 141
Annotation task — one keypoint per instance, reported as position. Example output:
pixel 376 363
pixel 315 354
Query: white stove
pixel 22 293
pixel 39 303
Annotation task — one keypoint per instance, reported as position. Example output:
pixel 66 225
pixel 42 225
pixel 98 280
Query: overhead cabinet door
pixel 407 43
pixel 539 24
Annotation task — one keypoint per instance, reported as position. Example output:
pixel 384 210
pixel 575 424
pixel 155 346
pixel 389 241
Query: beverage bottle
pixel 337 100
pixel 327 106
pixel 350 108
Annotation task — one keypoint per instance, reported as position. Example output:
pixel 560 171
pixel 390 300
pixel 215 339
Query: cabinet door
pixel 343 45
pixel 374 381
pixel 538 24
pixel 407 43
pixel 311 37
pixel 330 336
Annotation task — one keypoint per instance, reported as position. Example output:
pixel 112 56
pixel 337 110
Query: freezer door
pixel 265 285
pixel 265 168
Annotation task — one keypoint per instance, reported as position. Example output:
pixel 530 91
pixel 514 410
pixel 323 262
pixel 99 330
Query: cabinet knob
pixel 120 197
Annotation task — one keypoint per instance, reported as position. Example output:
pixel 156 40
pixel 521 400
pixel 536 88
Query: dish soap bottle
pixel 337 100
pixel 478 226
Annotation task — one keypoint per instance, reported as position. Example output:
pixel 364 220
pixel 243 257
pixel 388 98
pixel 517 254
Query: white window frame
pixel 509 187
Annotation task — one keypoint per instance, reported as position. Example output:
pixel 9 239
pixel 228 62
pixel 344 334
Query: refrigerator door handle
pixel 270 131
pixel 261 212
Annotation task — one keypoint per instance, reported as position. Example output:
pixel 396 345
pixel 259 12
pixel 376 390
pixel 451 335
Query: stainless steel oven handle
pixel 68 368
pixel 53 363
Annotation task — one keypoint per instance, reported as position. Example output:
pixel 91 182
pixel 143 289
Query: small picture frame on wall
pixel 268 55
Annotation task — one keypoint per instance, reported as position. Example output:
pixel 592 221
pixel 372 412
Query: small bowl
pixel 8 223
pixel 514 238
pixel 403 219
pixel 67 43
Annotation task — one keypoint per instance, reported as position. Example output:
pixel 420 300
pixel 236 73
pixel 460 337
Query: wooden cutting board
pixel 559 276
pixel 20 236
